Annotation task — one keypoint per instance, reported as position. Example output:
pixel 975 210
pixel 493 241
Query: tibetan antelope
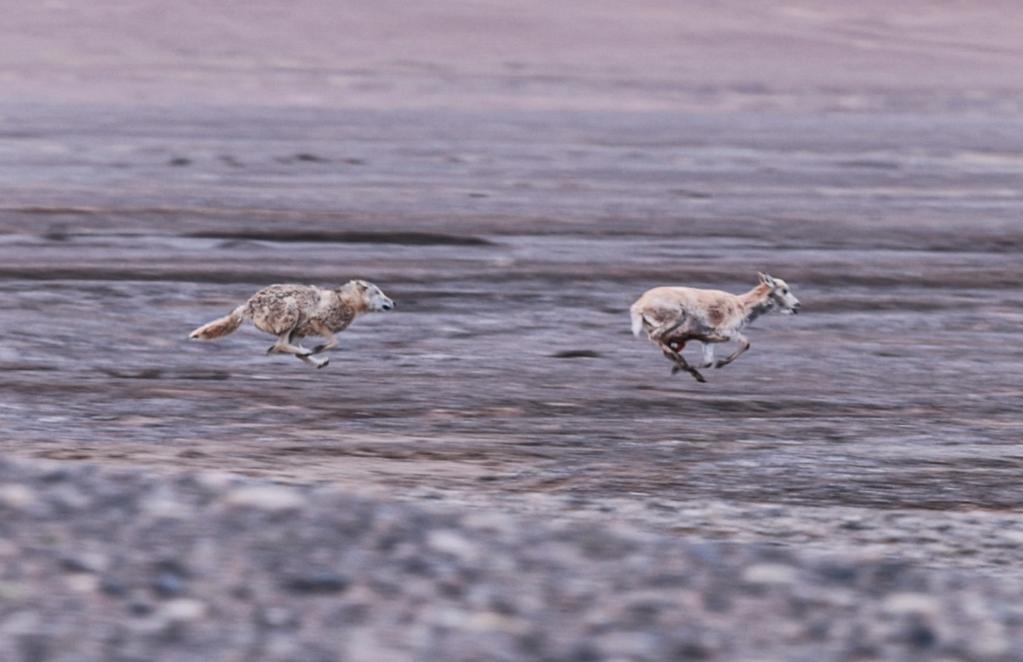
pixel 672 316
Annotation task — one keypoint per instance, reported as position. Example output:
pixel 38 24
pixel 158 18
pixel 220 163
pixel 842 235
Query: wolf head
pixel 371 296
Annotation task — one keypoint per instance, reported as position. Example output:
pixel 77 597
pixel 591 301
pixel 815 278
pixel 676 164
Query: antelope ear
pixel 765 279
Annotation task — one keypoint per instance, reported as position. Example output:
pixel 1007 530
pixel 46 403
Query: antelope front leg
pixel 708 355
pixel 744 344
pixel 681 363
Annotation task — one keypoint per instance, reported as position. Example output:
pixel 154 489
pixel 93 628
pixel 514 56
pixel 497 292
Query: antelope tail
pixel 220 327
pixel 637 322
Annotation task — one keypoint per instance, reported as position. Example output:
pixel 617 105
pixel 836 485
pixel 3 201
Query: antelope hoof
pixel 322 364
pixel 698 377
pixel 271 349
pixel 319 348
pixel 720 364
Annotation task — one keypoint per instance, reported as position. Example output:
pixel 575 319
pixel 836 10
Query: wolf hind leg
pixel 286 345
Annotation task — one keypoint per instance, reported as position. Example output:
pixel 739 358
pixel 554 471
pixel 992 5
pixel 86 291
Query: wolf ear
pixel 765 279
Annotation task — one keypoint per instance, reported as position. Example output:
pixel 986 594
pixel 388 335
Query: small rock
pixel 453 543
pixel 168 507
pixel 989 642
pixel 112 587
pixel 16 497
pixel 20 623
pixel 11 591
pixel 309 158
pixel 898 604
pixel 1011 535
pixel 278 617
pixel 70 497
pixel 139 608
pixel 83 582
pixel 55 475
pixel 182 610
pixel 273 498
pixel 920 635
pixel 769 574
pixel 839 573
pixel 215 480
pixel 168 584
pixel 93 562
pixel 492 621
pixel 321 582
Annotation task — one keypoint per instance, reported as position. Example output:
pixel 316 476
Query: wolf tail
pixel 220 327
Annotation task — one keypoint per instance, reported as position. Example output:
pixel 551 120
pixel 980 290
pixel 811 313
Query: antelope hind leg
pixel 681 364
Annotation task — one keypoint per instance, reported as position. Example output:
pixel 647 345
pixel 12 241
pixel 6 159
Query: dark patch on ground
pixel 577 354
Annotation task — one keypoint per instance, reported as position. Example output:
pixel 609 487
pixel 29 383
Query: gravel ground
pixel 101 565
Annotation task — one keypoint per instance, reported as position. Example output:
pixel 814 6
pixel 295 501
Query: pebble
pixel 94 562
pixel 277 617
pixel 16 497
pixel 453 543
pixel 166 506
pixel 20 622
pixel 273 498
pixel 989 642
pixel 769 574
pixel 182 610
pixel 169 584
pixel 82 582
pixel 898 604
pixel 321 582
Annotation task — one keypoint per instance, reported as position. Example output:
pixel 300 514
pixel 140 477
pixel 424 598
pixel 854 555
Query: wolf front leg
pixel 327 335
pixel 310 360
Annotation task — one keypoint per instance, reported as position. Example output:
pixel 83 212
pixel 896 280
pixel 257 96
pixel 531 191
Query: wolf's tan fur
pixel 292 312
pixel 672 316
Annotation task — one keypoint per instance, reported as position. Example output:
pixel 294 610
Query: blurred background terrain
pixel 514 176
